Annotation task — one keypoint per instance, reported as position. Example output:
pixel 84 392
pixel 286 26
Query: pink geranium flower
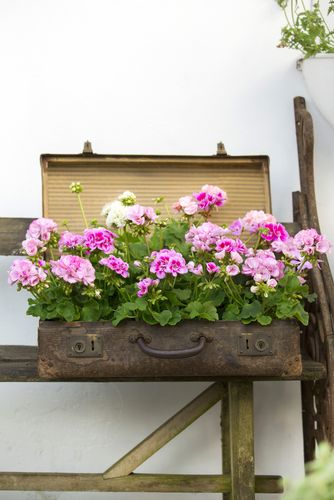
pixel 273 232
pixel 116 264
pixel 23 271
pixel 73 269
pixel 232 270
pixel 144 286
pixel 198 270
pixel 140 215
pixel 99 239
pixel 167 262
pixel 254 219
pixel 211 267
pixel 263 266
pixel 32 246
pixel 41 229
pixel 205 236
pixel 210 196
pixel 70 240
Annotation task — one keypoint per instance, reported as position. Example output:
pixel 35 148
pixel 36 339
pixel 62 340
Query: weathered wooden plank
pixel 166 432
pixel 292 227
pixel 160 483
pixel 19 364
pixel 225 435
pixel 12 233
pixel 241 440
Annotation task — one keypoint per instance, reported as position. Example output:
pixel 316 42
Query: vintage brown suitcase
pixel 99 350
pixel 190 350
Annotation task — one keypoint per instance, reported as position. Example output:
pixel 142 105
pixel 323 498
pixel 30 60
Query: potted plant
pixel 319 482
pixel 122 298
pixel 311 31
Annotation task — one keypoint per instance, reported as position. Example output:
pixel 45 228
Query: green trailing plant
pixel 319 482
pixel 307 29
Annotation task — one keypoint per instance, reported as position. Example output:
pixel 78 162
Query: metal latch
pixel 84 346
pixel 255 344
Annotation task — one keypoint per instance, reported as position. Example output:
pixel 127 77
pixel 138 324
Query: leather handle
pixel 171 354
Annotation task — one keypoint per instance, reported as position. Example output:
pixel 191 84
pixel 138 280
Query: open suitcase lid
pixel 104 177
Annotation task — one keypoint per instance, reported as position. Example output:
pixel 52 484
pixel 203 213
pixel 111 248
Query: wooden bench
pixel 238 481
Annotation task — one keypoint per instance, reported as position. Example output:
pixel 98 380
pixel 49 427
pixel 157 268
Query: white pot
pixel 318 72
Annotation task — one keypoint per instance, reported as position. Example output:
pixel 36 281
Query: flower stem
pixel 82 210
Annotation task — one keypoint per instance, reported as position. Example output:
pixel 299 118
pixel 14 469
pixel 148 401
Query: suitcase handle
pixel 174 353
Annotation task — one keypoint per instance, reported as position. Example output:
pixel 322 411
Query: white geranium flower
pixel 128 198
pixel 115 213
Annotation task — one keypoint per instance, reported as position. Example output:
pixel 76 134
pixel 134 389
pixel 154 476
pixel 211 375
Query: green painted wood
pixel 241 440
pixel 165 433
pixel 160 483
pixel 225 435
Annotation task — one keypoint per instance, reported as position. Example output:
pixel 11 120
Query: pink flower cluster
pixel 144 286
pixel 70 240
pixel 116 264
pixel 140 215
pixel 167 262
pixel 273 232
pixel 38 234
pixel 205 236
pixel 25 272
pixel 192 268
pixel 32 246
pixel 235 248
pixel 252 222
pixel 263 266
pixel 308 241
pixel 209 197
pixel 41 229
pixel 304 245
pixel 73 269
pixel 99 238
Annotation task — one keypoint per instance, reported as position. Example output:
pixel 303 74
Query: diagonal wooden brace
pixel 166 432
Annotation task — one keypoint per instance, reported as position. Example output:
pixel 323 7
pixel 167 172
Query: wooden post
pixel 225 435
pixel 241 440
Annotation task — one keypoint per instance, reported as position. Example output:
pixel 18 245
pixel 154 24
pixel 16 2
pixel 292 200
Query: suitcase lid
pixel 104 177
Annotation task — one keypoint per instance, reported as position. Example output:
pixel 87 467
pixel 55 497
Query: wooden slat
pixel 19 364
pixel 225 435
pixel 160 483
pixel 241 440
pixel 166 432
pixel 246 181
pixel 12 233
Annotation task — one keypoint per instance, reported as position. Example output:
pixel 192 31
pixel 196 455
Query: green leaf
pixel 205 311
pixel 148 318
pixel 65 310
pixel 182 294
pixel 231 312
pixel 251 310
pixel 91 311
pixel 176 318
pixel 162 317
pixel 141 304
pixel 264 320
pixel 120 314
pixel 300 314
pixel 138 250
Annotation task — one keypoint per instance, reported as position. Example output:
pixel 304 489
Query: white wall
pixel 141 76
